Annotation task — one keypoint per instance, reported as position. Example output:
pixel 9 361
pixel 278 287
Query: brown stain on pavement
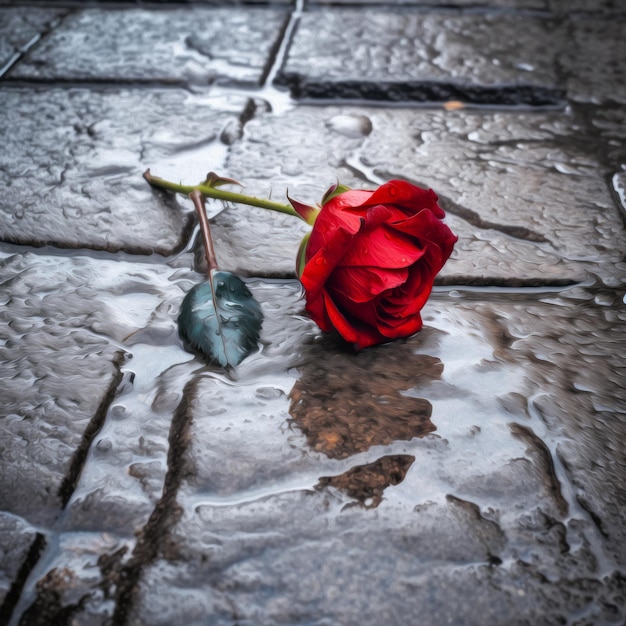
pixel 355 401
pixel 366 483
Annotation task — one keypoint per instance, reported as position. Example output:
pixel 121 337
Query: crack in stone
pixel 302 88
pixel 167 511
pixel 538 448
pixel 93 428
pixel 15 591
pixel 471 217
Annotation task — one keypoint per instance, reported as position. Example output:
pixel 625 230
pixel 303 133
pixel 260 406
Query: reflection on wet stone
pixel 490 444
pixel 366 483
pixel 357 401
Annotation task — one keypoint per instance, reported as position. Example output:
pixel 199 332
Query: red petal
pixel 321 264
pixel 352 199
pixel 317 311
pixel 345 329
pixel 382 247
pixel 362 284
pixel 426 227
pixel 401 327
pixel 326 226
pixel 354 328
pixel 408 196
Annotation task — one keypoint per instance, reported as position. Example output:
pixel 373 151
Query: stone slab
pixel 586 6
pixel 20 28
pixel 498 508
pixel 103 304
pixel 484 58
pixel 436 4
pixel 526 192
pixel 198 45
pixel 279 514
pixel 495 57
pixel 56 375
pixel 593 60
pixel 69 325
pixel 73 159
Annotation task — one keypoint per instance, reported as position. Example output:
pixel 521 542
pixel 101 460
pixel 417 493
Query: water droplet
pixel 393 191
pixel 604 299
pixel 118 412
pixel 350 125
pixel 104 445
pixel 320 261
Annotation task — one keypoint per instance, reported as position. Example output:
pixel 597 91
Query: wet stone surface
pixel 20 27
pixel 424 57
pixel 185 45
pixel 489 504
pixel 56 374
pixel 596 43
pixel 492 4
pixel 72 164
pixel 471 474
pixel 526 192
pixel 602 7
pixel 494 58
pixel 17 541
pixel 87 403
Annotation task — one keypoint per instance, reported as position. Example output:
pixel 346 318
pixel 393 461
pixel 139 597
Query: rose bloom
pixel 369 264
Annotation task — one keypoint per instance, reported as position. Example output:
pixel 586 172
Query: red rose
pixel 369 264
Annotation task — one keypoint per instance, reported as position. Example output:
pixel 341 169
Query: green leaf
pixel 333 191
pixel 301 256
pixel 221 319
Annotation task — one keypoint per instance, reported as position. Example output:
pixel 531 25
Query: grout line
pixel 283 48
pixel 151 537
pixel 16 604
pixel 77 463
pixel 14 594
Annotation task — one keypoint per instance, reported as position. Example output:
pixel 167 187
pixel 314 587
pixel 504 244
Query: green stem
pixel 219 194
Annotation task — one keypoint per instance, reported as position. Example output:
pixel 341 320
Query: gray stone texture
pixel 494 506
pixel 181 45
pixel 428 4
pixel 73 159
pixel 20 28
pixel 526 192
pixel 507 58
pixel 56 374
pixel 594 62
pixel 500 57
pixel 17 541
pixel 473 473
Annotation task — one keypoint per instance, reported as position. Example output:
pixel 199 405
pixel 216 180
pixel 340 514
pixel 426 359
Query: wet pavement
pixel 474 473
